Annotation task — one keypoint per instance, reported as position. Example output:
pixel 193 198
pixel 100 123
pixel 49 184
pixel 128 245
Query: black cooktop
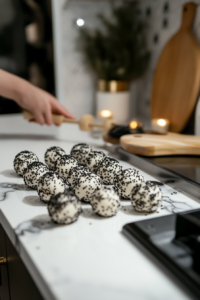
pixel 172 241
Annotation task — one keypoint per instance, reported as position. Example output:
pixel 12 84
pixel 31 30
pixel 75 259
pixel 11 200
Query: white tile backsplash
pixel 78 83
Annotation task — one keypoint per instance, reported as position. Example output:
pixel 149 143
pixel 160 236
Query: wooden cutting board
pixel 159 145
pixel 177 76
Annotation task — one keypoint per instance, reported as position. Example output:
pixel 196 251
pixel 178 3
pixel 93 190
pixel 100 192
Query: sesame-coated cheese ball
pixel 94 159
pixel 33 173
pixel 108 170
pixel 51 156
pixel 105 202
pixel 148 198
pixel 64 164
pixel 80 152
pixel 22 160
pixel 76 173
pixel 86 186
pixel 49 185
pixel 127 182
pixel 64 208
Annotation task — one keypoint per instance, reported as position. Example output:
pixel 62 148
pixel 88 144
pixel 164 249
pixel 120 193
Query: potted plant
pixel 118 54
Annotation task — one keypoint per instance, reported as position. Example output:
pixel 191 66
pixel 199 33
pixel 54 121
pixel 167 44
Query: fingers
pixel 57 108
pixel 45 118
pixel 43 105
pixel 48 116
pixel 32 121
pixel 39 118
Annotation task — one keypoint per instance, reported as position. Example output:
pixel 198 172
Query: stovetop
pixel 172 241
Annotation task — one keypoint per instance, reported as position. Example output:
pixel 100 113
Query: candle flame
pixel 105 113
pixel 133 124
pixel 161 122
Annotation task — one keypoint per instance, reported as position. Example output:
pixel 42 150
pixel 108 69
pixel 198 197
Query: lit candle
pixel 105 114
pixel 135 126
pixel 160 125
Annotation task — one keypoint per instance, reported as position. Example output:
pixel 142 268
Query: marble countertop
pixel 91 258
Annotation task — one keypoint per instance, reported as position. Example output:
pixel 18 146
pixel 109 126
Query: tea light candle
pixel 105 114
pixel 135 126
pixel 160 125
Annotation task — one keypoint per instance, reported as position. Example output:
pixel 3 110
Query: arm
pixel 30 97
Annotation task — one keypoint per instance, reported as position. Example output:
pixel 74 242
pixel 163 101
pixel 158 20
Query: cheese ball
pixel 64 164
pixel 86 186
pixel 64 208
pixel 51 156
pixel 126 183
pixel 76 173
pixel 22 160
pixel 108 170
pixel 94 159
pixel 33 173
pixel 80 152
pixel 105 202
pixel 148 198
pixel 49 185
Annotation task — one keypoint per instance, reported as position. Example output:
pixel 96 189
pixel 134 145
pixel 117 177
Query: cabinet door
pixel 21 284
pixel 4 286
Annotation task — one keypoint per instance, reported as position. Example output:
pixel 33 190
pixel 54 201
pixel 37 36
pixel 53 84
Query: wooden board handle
pixel 189 10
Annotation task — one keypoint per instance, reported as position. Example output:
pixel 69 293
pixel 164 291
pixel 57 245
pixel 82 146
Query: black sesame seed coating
pixel 22 160
pixel 80 152
pixel 49 185
pixel 24 152
pixel 76 173
pixel 94 159
pixel 33 173
pixel 51 155
pixel 105 202
pixel 86 186
pixel 148 198
pixel 126 183
pixel 108 169
pixel 64 208
pixel 64 164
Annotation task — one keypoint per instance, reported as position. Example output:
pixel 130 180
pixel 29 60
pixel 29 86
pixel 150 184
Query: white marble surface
pixel 89 259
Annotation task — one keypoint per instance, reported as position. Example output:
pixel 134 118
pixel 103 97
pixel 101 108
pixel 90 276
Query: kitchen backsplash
pixel 79 81
pixel 76 85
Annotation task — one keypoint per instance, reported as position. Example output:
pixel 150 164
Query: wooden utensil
pixel 159 145
pixel 177 76
pixel 86 122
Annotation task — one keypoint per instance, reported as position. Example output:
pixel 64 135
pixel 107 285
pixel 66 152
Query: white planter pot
pixel 118 103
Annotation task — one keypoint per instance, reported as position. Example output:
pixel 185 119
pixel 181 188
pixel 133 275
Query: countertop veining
pixel 90 258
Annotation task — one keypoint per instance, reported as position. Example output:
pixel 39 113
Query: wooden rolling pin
pixel 86 122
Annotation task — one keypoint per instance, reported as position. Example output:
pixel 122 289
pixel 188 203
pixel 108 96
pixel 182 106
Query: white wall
pixel 75 82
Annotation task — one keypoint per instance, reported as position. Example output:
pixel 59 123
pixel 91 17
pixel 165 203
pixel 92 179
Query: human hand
pixel 42 105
